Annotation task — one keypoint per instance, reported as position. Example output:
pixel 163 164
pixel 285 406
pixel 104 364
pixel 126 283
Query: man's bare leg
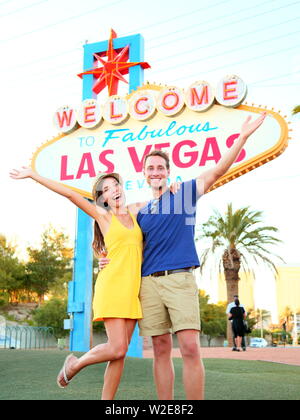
pixel 163 368
pixel 193 369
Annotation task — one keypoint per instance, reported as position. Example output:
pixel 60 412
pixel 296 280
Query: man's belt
pixel 166 272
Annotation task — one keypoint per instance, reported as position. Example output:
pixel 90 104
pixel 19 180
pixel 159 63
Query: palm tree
pixel 296 110
pixel 238 239
pixel 287 317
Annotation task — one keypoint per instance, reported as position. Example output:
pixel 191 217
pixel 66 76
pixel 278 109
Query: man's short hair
pixel 160 153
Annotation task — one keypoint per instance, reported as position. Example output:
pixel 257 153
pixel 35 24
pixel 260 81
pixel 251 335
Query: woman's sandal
pixel 64 374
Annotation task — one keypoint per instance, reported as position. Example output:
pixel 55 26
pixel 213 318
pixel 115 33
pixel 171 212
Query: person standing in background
pixel 237 315
pixel 232 305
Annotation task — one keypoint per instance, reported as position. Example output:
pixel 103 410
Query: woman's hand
pixel 175 187
pixel 23 173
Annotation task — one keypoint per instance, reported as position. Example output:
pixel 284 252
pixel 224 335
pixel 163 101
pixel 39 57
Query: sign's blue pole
pixel 80 289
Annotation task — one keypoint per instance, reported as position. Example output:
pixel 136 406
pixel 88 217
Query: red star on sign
pixel 113 69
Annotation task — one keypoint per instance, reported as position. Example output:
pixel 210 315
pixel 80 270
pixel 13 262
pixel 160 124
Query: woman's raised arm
pixel 60 189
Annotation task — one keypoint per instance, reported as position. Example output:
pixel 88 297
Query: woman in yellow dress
pixel 116 298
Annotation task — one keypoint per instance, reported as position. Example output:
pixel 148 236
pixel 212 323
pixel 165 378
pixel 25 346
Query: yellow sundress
pixel 116 293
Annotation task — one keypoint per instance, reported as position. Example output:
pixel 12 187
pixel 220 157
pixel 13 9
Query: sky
pixel 41 44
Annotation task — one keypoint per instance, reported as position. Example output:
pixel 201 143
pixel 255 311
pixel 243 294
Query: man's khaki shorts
pixel 169 304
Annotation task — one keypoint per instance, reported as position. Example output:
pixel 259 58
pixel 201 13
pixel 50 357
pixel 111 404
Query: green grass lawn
pixel 31 375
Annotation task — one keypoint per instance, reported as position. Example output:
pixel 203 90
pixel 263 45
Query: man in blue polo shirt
pixel 169 294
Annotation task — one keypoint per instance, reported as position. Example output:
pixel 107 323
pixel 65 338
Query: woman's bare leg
pixel 114 369
pixel 114 349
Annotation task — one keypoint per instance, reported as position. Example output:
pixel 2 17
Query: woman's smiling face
pixel 112 193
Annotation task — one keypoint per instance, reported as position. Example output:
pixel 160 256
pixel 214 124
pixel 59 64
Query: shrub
pixel 52 314
pixel 4 299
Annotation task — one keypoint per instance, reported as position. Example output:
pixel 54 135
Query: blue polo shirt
pixel 168 225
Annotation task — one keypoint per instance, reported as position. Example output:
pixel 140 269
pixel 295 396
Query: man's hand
pixel 103 261
pixel 248 127
pixel 175 187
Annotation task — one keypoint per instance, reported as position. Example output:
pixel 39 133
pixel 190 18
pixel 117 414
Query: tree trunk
pixel 231 263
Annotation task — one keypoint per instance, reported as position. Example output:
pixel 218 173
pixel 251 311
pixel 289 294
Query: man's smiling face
pixel 156 172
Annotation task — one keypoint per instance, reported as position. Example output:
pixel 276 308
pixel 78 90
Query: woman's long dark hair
pixel 98 242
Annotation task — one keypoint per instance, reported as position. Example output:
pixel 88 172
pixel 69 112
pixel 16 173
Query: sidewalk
pixel 287 355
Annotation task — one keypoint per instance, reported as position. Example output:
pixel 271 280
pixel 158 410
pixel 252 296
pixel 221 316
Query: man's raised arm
pixel 209 177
